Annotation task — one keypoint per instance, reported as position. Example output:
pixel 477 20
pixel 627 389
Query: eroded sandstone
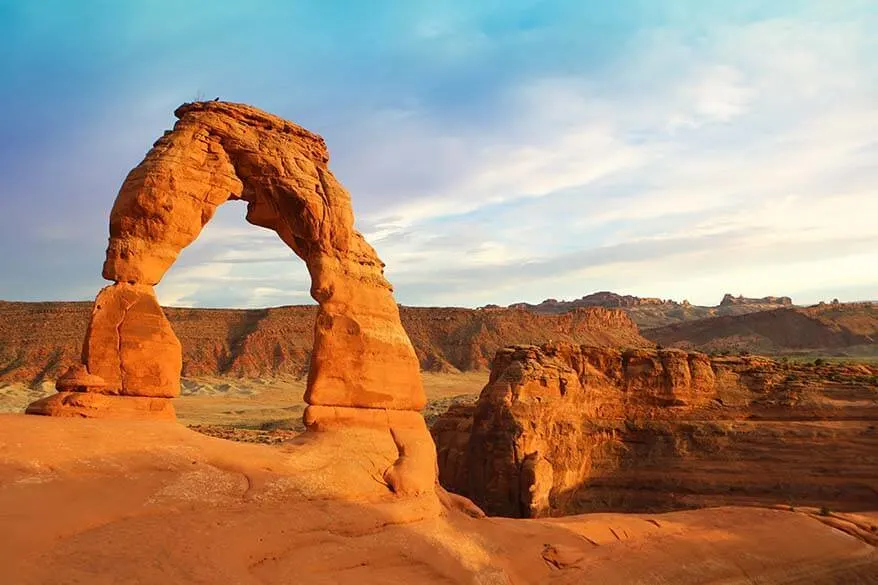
pixel 38 341
pixel 217 151
pixel 564 429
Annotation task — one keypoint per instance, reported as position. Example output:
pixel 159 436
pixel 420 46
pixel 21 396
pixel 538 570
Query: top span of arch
pixel 219 151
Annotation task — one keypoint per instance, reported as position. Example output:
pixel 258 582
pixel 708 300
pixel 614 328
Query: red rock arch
pixel 217 151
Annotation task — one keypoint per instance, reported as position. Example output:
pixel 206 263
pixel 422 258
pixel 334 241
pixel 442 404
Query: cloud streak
pixel 495 153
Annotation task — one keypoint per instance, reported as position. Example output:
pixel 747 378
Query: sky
pixel 496 151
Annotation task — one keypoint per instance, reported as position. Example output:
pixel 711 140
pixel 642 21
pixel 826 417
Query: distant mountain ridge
pixel 729 300
pixel 39 340
pixel 650 312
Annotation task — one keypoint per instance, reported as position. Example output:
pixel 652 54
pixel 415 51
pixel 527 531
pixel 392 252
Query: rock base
pixel 326 418
pixel 94 405
pixel 415 471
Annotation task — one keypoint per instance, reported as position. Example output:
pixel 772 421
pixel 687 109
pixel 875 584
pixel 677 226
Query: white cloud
pixel 770 128
pixel 742 162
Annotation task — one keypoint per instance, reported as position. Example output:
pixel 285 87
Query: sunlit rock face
pixel 564 429
pixel 217 151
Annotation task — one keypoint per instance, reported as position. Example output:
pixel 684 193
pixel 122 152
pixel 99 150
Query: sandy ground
pixel 100 502
pixel 260 404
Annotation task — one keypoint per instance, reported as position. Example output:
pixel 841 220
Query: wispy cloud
pixel 499 152
pixel 736 138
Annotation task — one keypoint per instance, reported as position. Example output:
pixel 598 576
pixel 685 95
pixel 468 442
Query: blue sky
pixel 496 151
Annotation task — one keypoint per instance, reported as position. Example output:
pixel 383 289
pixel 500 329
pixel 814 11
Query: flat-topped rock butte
pixel 354 499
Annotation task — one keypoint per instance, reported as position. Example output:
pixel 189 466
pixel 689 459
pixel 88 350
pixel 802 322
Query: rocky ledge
pixel 564 429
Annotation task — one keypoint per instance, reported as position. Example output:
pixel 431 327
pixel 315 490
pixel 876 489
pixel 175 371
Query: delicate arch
pixel 362 357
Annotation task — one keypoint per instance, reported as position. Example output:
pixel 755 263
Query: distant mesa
pixel 39 340
pixel 844 328
pixel 649 312
pixel 728 299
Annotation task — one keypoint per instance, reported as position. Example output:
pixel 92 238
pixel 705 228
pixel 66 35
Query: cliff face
pixel 39 340
pixel 561 429
pixel 466 339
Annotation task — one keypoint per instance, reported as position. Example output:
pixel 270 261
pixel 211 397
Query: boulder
pixel 130 344
pixel 77 379
pixel 95 405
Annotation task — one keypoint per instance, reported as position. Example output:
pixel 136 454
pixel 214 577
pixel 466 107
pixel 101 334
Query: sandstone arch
pixel 218 151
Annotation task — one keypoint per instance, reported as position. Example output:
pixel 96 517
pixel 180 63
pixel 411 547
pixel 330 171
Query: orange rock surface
pixel 38 341
pixel 362 357
pixel 97 405
pixel 107 502
pixel 130 344
pixel 563 429
pixel 77 379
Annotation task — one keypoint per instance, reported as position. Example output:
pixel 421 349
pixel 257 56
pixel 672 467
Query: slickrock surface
pixel 107 502
pixel 563 429
pixel 38 341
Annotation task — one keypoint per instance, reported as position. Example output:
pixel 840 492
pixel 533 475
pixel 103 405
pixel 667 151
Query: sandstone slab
pixel 106 406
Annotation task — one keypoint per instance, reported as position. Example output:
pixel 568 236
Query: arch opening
pixel 233 264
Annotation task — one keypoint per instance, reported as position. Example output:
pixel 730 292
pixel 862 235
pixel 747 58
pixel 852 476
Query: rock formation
pixel 38 341
pixel 730 299
pixel 217 151
pixel 563 429
pixel 650 312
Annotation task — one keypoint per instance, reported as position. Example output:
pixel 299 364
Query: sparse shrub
pixel 825 511
pixel 820 362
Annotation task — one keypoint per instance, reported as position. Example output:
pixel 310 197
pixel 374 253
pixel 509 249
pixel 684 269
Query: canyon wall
pixel 564 429
pixel 39 340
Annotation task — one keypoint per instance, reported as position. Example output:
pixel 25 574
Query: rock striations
pixel 564 429
pixel 362 357
pixel 38 341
